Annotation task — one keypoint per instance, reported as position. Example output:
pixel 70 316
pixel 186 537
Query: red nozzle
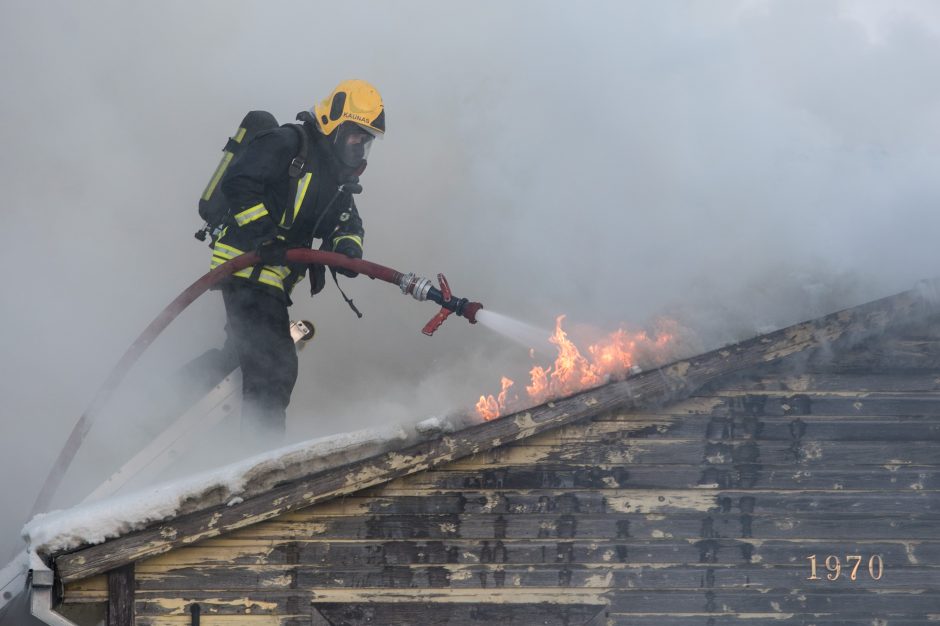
pixel 470 311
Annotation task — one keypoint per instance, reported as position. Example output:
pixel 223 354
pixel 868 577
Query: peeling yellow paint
pixel 678 370
pixel 366 475
pixel 800 339
pixel 599 580
pixel 894 464
pixel 702 404
pixel 178 606
pixel 214 520
pixel 798 383
pixel 812 450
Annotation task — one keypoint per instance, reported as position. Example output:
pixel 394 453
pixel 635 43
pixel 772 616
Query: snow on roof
pixel 95 522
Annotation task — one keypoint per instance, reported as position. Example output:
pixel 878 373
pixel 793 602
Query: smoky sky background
pixel 738 166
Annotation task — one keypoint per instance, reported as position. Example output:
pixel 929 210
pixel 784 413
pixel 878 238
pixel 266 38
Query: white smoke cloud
pixel 741 166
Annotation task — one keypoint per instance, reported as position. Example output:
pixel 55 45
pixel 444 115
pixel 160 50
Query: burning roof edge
pixel 349 471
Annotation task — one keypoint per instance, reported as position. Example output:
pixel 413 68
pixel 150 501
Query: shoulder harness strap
pixel 296 170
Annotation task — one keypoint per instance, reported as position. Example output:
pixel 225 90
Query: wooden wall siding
pixel 702 512
pixel 653 388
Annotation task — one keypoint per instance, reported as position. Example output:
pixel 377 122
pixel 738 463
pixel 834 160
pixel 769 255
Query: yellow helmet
pixel 352 101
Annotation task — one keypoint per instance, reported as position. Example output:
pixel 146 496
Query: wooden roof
pixel 652 388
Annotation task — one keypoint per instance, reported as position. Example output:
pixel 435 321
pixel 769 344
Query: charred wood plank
pixel 400 612
pixel 891 356
pixel 450 613
pixel 653 476
pixel 787 382
pixel 718 427
pixel 633 452
pixel 751 619
pixel 600 527
pixel 760 404
pixel 121 588
pixel 668 502
pixel 249 579
pixel 799 599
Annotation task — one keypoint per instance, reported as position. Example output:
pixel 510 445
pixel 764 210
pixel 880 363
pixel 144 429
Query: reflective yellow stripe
pixel 250 214
pixel 355 238
pixel 222 248
pixel 268 275
pixel 221 253
pixel 302 185
pixel 272 275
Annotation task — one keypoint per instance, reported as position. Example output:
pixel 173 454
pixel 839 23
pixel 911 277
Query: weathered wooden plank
pixel 401 612
pixel 228 620
pixel 652 388
pixel 826 428
pixel 634 452
pixel 651 476
pixel 247 579
pixel 601 527
pixel 357 554
pixel 717 603
pixel 443 614
pixel 121 585
pixel 800 599
pixel 783 380
pixel 668 502
pixel 890 355
pixel 758 619
pixel 775 404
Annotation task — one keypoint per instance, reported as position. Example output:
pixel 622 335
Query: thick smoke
pixel 739 166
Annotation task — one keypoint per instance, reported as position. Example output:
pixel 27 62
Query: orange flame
pixel 615 356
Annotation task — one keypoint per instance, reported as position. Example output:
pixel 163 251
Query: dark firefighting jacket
pixel 267 204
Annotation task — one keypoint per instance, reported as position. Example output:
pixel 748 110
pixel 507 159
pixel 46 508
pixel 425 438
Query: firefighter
pixel 273 211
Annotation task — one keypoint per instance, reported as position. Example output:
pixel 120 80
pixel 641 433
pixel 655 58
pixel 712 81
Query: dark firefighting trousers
pixel 259 330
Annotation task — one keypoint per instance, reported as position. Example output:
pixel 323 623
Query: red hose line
pixel 159 324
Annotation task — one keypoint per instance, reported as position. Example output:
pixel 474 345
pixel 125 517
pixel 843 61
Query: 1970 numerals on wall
pixel 834 567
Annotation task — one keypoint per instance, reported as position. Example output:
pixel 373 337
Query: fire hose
pixel 410 284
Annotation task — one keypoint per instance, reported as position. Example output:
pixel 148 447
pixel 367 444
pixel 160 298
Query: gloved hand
pixel 353 250
pixel 273 252
pixel 317 279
